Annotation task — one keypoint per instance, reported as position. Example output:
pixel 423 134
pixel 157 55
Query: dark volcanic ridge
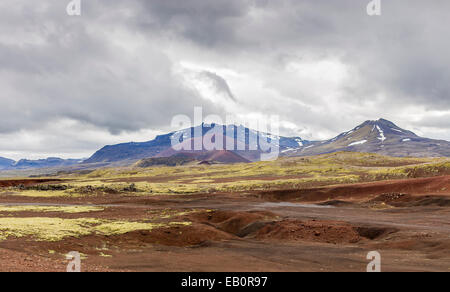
pixel 381 136
pixel 23 164
pixel 161 146
pixel 204 158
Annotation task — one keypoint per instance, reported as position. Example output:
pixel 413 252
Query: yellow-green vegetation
pixel 171 213
pixel 298 172
pixel 336 163
pixel 180 223
pixel 41 194
pixel 422 170
pixel 77 189
pixel 380 206
pixel 48 209
pixel 56 229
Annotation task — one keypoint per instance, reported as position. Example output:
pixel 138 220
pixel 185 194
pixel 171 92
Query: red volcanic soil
pixel 243 232
pixel 419 186
pixel 208 137
pixel 335 232
pixel 225 156
pixel 222 156
pixel 322 231
pixel 16 261
pixel 26 182
pixel 239 224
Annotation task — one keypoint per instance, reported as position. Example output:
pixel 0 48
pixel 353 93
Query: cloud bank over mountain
pixel 119 72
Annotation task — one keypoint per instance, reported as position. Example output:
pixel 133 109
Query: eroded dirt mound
pixel 196 234
pixel 337 203
pixel 25 182
pixel 237 223
pixel 426 186
pixel 391 198
pixel 435 249
pixel 406 200
pixel 178 236
pixel 431 201
pixel 373 233
pixel 319 231
pixel 16 261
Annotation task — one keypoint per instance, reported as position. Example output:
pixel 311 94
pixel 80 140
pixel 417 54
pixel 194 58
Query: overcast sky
pixel 123 69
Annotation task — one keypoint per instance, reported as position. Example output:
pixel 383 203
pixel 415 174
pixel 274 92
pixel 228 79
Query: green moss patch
pixel 57 229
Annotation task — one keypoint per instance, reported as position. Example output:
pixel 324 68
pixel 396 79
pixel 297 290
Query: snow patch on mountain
pixel 300 142
pixel 382 137
pixel 358 143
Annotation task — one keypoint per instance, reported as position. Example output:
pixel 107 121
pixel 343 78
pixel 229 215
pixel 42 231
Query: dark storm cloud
pixel 403 54
pixel 113 68
pixel 65 67
pixel 440 122
pixel 219 83
pixel 208 23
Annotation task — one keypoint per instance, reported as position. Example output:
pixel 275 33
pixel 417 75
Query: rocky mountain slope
pixel 5 163
pixel 45 163
pixel 8 164
pixel 161 146
pixel 206 157
pixel 382 137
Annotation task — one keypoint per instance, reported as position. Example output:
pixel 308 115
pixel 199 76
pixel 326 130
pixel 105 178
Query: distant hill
pixel 131 151
pixel 162 146
pixel 222 156
pixel 44 163
pixel 175 160
pixel 193 157
pixel 24 164
pixel 5 163
pixel 382 137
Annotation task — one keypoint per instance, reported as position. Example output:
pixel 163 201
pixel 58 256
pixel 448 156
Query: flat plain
pixel 318 213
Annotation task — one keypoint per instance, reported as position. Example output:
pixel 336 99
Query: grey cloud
pixel 75 71
pixel 219 83
pixel 441 122
pixel 208 23
pixel 56 67
pixel 402 53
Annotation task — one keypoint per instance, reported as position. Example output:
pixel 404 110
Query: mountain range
pixel 161 146
pixel 5 163
pixel 9 164
pixel 202 157
pixel 380 136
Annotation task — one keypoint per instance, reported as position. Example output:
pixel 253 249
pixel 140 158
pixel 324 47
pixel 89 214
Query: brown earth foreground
pixel 319 229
